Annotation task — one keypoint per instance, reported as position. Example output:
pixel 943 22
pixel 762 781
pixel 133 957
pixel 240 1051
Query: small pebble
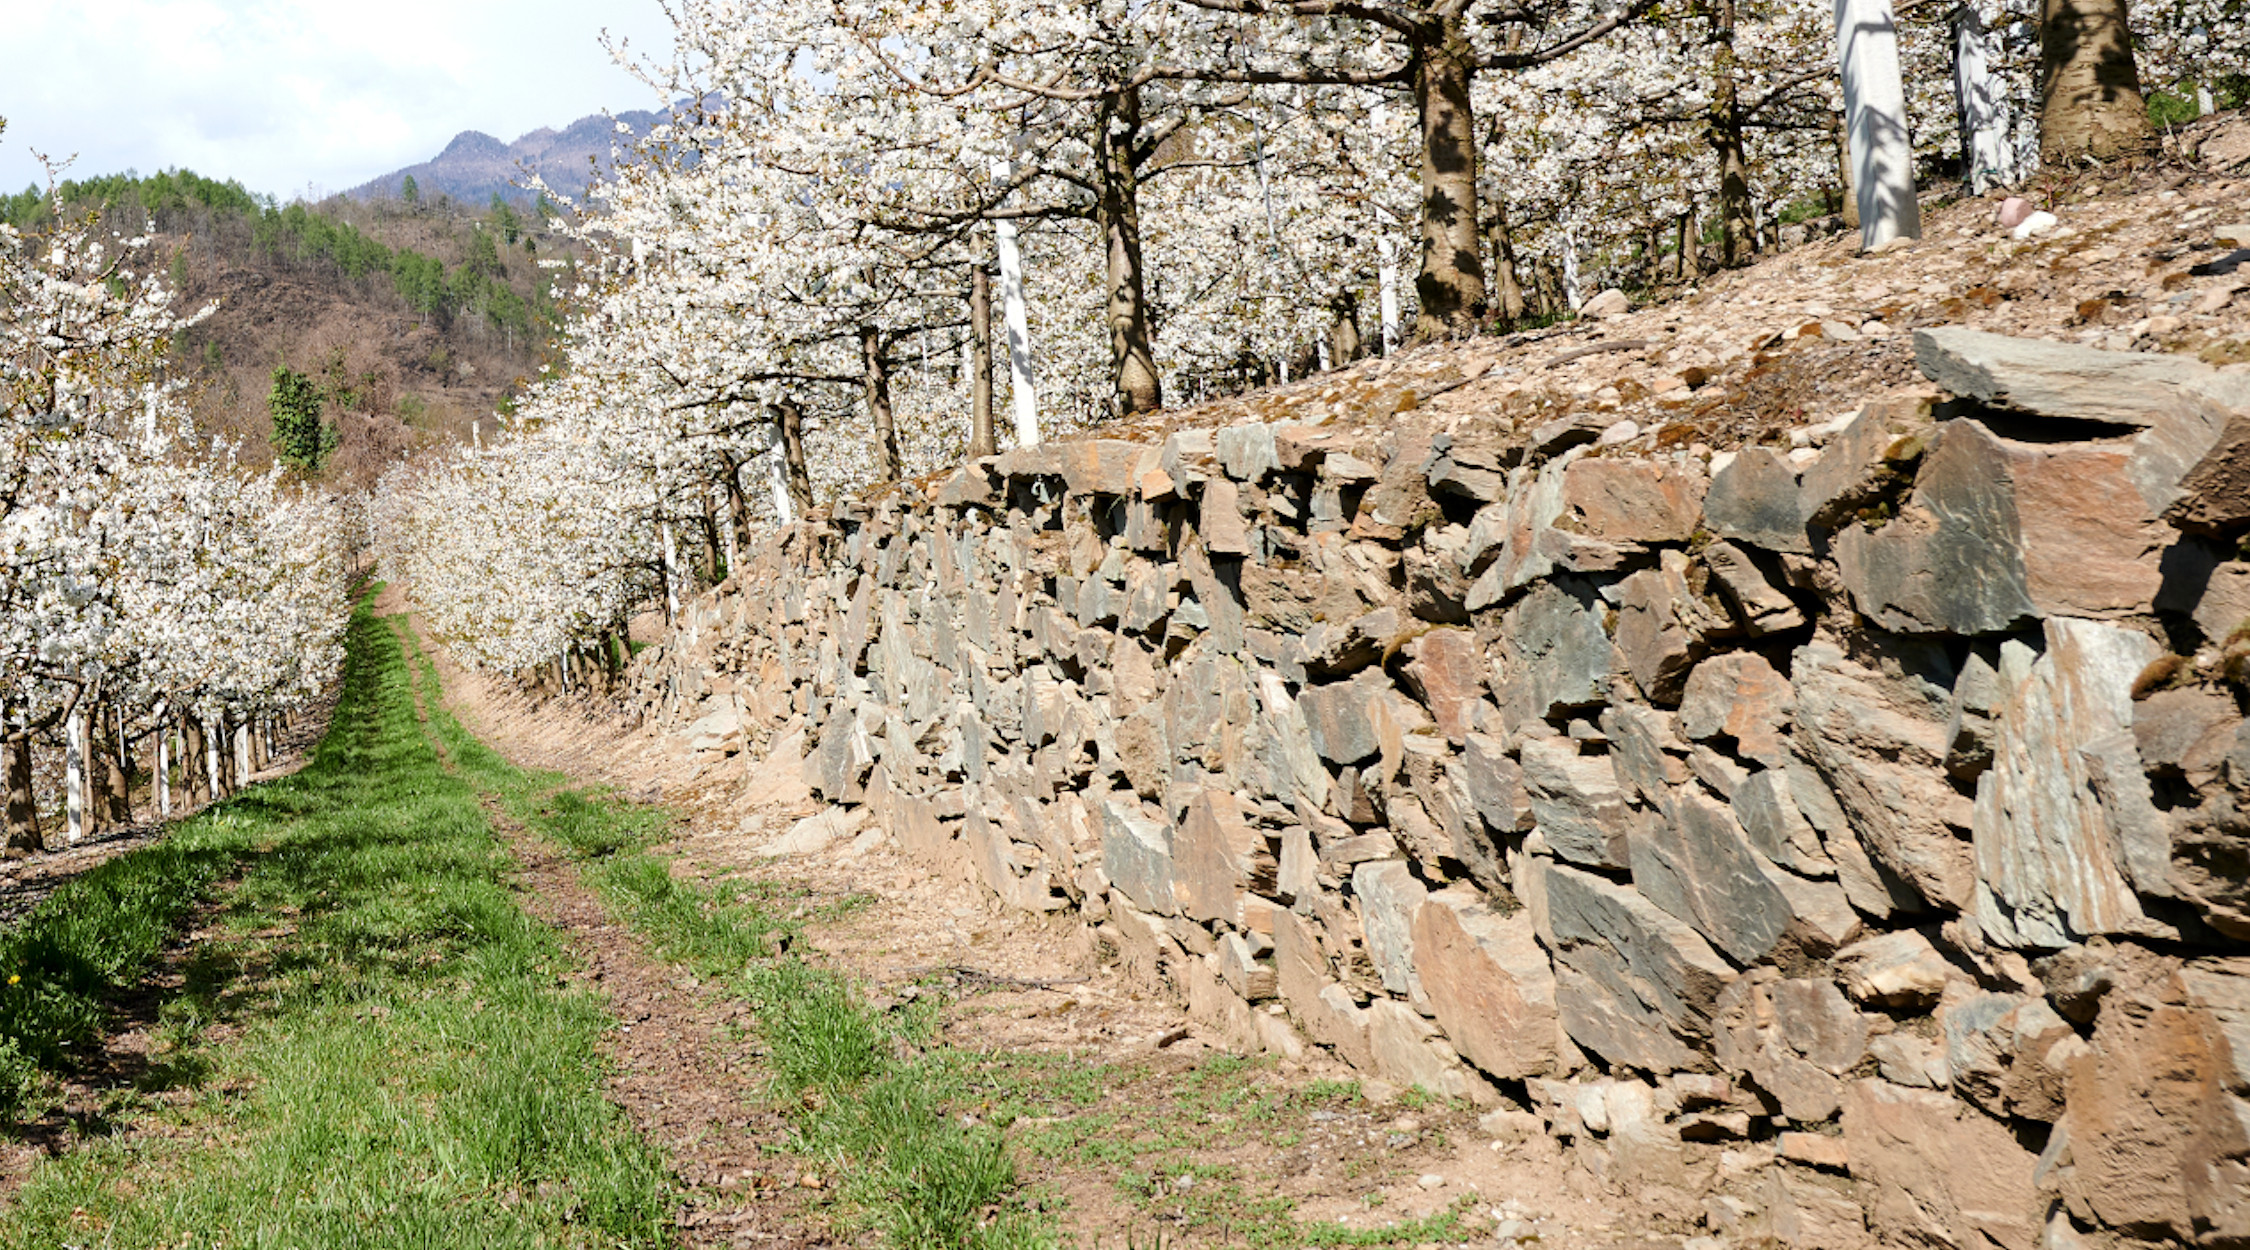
pixel 1430 1180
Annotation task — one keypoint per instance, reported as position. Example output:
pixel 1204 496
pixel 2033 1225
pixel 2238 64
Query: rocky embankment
pixel 1846 833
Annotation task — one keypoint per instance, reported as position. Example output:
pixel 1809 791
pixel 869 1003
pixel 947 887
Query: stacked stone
pixel 1856 836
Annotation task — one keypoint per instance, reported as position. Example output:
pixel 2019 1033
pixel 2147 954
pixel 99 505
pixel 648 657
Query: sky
pixel 291 96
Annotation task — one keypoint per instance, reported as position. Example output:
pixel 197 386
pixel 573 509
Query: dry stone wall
pixel 1851 836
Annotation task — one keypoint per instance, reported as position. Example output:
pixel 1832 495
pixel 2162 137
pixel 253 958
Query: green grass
pixel 374 1048
pixel 875 1106
pixel 89 940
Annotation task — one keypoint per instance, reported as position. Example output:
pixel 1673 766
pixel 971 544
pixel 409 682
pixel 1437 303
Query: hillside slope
pixel 417 319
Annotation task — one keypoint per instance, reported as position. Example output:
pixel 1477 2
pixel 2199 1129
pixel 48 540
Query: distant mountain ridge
pixel 475 166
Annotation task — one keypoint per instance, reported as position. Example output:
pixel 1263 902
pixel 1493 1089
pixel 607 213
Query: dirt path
pixel 685 1072
pixel 684 1068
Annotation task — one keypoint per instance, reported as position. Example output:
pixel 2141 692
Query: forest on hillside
pixel 418 317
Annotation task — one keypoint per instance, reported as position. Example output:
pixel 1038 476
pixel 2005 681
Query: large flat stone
pixel 1667 617
pixel 1633 984
pixel 1489 983
pixel 1878 742
pixel 1999 532
pixel 1338 717
pixel 2158 1132
pixel 1137 856
pixel 1698 865
pixel 1939 1172
pixel 1577 803
pixel 1741 695
pixel 1388 899
pixel 1632 501
pixel 1217 858
pixel 1446 668
pixel 1754 499
pixel 1557 654
pixel 2064 822
pixel 2066 380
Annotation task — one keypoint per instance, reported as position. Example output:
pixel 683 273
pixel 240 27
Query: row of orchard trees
pixel 876 223
pixel 152 593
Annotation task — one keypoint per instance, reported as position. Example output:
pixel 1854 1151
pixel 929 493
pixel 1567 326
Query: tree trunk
pixel 714 546
pixel 1017 316
pixel 75 807
pixel 23 806
pixel 875 376
pixel 1988 152
pixel 2090 101
pixel 194 773
pixel 1451 284
pixel 738 511
pixel 114 771
pixel 1507 288
pixel 790 419
pixel 1882 154
pixel 1344 343
pixel 982 441
pixel 1117 212
pixel 1737 233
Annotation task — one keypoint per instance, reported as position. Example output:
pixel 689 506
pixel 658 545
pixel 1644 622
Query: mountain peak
pixel 475 166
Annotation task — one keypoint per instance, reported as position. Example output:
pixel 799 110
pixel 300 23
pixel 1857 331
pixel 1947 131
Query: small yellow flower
pixel 13 978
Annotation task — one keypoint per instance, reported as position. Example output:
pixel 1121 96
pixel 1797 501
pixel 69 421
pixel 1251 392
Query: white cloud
pixel 286 94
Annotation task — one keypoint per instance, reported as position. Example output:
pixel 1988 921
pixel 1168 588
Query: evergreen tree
pixel 300 439
pixel 409 192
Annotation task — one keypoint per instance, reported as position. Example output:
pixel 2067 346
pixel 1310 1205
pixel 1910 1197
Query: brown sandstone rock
pixel 1489 983
pixel 1631 501
pixel 1216 858
pixel 1939 1172
pixel 1741 695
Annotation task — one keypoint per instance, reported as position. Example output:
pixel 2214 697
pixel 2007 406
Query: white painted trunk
pixel 1988 151
pixel 164 772
pixel 777 481
pixel 1016 315
pixel 2204 104
pixel 1386 281
pixel 1882 153
pixel 1571 294
pixel 726 510
pixel 242 765
pixel 1320 345
pixel 74 778
pixel 212 729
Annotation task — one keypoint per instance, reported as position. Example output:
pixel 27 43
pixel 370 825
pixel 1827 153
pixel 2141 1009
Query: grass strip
pixel 395 1062
pixel 873 1100
pixel 80 947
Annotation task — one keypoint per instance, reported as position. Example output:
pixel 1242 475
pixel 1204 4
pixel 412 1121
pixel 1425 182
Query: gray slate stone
pixel 2065 826
pixel 1577 802
pixel 1559 656
pixel 1699 866
pixel 1337 716
pixel 1754 499
pixel 1633 984
pixel 1137 856
pixel 2066 380
pixel 1879 743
